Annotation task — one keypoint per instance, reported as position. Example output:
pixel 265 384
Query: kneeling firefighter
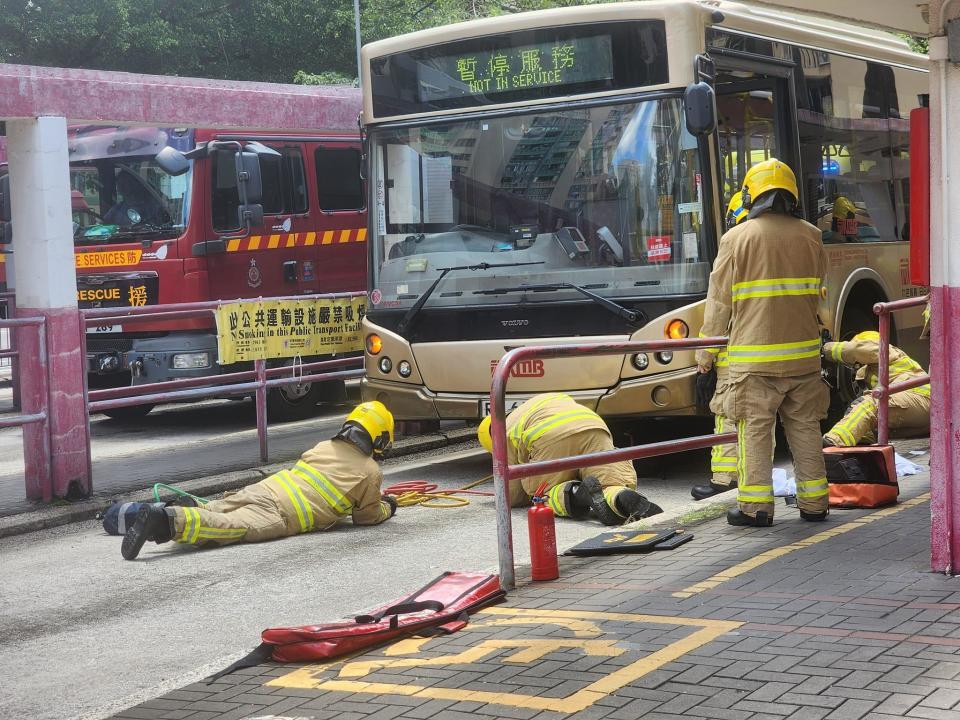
pixel 551 426
pixel 909 409
pixel 335 478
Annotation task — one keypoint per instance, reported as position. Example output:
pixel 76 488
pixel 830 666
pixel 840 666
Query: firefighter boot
pixel 702 492
pixel 577 499
pixel 630 504
pixel 153 522
pixel 735 517
pixel 810 516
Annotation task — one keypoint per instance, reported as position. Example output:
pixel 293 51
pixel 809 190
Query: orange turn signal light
pixel 374 344
pixel 677 330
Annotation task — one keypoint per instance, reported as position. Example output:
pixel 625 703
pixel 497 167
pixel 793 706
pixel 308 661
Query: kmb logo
pixel 524 368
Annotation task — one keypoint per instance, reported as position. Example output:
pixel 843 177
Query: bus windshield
pixel 608 198
pixel 118 191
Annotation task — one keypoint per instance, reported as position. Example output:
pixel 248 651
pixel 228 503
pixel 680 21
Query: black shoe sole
pixel 598 503
pixel 136 535
pixel 813 517
pixel 747 521
pixel 639 507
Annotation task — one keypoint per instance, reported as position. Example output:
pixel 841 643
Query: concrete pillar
pixel 945 295
pixel 46 285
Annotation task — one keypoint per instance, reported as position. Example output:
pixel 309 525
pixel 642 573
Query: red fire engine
pixel 172 216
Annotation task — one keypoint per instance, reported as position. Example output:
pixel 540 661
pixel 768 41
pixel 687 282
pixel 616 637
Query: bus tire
pixel 845 388
pixel 133 412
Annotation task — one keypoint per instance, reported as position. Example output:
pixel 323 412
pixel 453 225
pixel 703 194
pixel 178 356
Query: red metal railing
pixel 504 473
pixel 256 381
pixel 9 302
pixel 884 389
pixel 38 475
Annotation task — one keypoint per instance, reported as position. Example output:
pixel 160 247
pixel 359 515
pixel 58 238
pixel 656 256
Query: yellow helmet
pixel 483 434
pixel 373 417
pixel 843 209
pixel 766 176
pixel 867 336
pixel 736 212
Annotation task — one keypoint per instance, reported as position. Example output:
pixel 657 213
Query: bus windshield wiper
pixel 620 311
pixel 422 300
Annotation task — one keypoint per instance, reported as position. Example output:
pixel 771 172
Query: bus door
pixel 755 118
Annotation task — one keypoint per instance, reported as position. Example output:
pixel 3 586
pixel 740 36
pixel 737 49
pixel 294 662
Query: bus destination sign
pixel 572 61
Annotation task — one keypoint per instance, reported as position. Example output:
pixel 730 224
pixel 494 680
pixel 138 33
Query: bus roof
pixel 685 23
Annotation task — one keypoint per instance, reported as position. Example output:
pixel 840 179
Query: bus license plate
pixel 510 404
pixel 105 329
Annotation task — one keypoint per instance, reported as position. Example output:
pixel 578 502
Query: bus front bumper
pixel 670 393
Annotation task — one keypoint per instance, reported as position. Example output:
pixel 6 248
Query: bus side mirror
pixel 700 108
pixel 172 161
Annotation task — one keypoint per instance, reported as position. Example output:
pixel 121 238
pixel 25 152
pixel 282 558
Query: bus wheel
pixel 845 385
pixel 134 412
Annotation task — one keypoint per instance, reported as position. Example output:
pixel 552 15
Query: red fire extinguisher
pixel 543 538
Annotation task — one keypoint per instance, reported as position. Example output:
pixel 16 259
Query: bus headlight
pixel 386 365
pixel 404 368
pixel 664 357
pixel 640 361
pixel 374 344
pixel 191 361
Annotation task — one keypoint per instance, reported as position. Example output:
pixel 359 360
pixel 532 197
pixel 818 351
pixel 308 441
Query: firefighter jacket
pixel 554 425
pixel 764 292
pixel 866 354
pixel 332 480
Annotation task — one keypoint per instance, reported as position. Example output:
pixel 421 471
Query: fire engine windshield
pixel 119 193
pixel 607 198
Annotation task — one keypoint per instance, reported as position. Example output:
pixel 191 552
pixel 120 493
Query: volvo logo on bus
pixel 524 368
pixel 514 323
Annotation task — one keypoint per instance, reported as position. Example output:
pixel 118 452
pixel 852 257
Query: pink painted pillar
pixel 46 284
pixel 945 295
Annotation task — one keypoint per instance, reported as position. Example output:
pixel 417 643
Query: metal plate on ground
pixel 613 543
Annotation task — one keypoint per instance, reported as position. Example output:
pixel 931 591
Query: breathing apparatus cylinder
pixel 543 540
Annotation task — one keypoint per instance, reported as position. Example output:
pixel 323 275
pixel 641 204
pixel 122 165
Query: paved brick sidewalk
pixel 840 620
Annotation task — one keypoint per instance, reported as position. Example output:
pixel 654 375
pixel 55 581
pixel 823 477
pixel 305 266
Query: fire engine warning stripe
pixel 765 557
pixel 292 240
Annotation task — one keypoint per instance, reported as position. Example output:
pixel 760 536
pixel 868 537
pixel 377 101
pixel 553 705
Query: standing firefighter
pixel 723 458
pixel 551 426
pixel 334 479
pixel 909 409
pixel 764 291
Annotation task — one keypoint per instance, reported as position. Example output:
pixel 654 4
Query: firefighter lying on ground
pixel 909 409
pixel 334 479
pixel 552 426
pixel 723 458
pixel 764 292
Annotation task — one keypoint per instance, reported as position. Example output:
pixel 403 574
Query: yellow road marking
pixel 530 650
pixel 580 628
pixel 765 557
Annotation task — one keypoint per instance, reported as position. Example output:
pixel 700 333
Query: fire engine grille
pixel 108 345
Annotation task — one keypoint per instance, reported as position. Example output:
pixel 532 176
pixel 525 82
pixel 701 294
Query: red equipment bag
pixel 443 605
pixel 861 477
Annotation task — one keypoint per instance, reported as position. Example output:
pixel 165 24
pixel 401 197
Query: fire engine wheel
pixel 134 412
pixel 293 402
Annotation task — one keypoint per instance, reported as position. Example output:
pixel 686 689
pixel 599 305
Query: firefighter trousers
pixel 723 458
pixel 251 515
pixel 754 401
pixel 909 414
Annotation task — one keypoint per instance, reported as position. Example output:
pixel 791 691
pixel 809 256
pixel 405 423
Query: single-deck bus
pixel 535 179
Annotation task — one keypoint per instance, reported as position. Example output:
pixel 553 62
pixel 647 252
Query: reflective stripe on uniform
pixel 537 431
pixel 905 364
pixel 776 352
pixel 720 463
pixel 836 352
pixel 517 430
pixel 191 525
pixel 610 495
pixel 325 489
pixel 299 502
pixel 755 494
pixel 922 390
pixel 741 457
pixel 776 287
pixel 844 428
pixel 812 489
pixel 556 501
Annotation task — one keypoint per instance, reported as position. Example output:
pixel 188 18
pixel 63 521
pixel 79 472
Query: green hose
pixel 176 491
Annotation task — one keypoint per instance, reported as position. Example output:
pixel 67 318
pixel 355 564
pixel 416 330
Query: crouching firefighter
pixel 552 426
pixel 909 409
pixel 334 479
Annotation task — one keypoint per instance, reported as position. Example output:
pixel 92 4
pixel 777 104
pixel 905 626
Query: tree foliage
pixel 268 40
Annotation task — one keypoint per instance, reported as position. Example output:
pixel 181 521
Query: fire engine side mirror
pixel 250 215
pixel 6 227
pixel 248 178
pixel 172 161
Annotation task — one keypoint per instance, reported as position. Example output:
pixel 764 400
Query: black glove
pixel 392 502
pixel 706 387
